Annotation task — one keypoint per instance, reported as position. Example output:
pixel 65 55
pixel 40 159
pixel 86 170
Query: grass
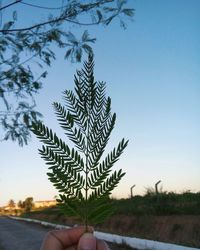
pixel 166 217
pixel 162 204
pixel 150 204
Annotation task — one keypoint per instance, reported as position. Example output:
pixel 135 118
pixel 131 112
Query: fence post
pixel 132 190
pixel 156 187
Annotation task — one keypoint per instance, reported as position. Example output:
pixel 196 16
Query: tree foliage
pixel 28 204
pixel 83 179
pixel 24 48
pixel 20 204
pixel 11 204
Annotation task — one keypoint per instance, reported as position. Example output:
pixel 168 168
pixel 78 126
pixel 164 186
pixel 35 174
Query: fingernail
pixel 87 242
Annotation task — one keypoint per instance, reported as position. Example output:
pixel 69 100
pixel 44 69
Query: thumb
pixel 87 242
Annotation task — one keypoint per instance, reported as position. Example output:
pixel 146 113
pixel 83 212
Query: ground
pixel 178 229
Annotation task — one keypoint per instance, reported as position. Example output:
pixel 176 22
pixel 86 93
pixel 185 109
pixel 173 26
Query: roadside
pixel 21 235
pixel 165 217
pixel 120 242
pixel 176 229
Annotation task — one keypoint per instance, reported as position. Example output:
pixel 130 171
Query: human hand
pixel 72 239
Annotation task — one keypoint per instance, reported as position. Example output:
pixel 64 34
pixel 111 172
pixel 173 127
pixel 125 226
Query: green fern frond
pixel 109 184
pixel 99 209
pixel 56 149
pixel 76 109
pixel 100 173
pixel 97 144
pixel 70 207
pixel 66 121
pixel 84 184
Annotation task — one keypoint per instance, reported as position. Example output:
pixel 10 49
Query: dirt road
pixel 20 235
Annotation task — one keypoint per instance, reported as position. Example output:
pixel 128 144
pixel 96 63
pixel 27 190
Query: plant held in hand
pixel 83 181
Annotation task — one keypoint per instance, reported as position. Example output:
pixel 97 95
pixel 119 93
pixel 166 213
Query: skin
pixel 72 239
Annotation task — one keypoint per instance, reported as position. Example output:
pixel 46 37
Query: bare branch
pixel 43 7
pixel 6 6
pixel 83 8
pixel 49 22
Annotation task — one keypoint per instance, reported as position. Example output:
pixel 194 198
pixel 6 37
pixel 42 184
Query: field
pixel 166 217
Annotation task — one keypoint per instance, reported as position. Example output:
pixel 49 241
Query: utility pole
pixel 132 190
pixel 156 187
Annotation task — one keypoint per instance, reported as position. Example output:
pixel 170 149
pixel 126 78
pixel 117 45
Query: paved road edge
pixel 130 241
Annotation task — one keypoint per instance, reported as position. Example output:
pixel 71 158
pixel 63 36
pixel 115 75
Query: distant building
pixel 7 208
pixel 50 203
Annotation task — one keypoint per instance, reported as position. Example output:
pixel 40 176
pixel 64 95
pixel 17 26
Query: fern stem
pixel 86 176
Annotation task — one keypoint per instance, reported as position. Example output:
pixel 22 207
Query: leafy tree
pixel 11 204
pixel 21 48
pixel 20 204
pixel 83 181
pixel 28 204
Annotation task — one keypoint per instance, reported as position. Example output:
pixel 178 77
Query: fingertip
pixel 102 245
pixel 87 242
pixel 90 229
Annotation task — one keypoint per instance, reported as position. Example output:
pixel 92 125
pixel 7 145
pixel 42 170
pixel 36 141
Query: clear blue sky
pixel 153 77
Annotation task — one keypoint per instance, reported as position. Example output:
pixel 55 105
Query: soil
pixel 177 229
pixel 182 230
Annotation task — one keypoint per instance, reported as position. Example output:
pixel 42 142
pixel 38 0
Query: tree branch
pixel 17 66
pixel 48 22
pixel 4 7
pixel 84 8
pixel 43 7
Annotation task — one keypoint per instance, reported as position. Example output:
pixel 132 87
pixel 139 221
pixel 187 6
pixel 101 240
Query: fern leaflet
pixel 83 182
